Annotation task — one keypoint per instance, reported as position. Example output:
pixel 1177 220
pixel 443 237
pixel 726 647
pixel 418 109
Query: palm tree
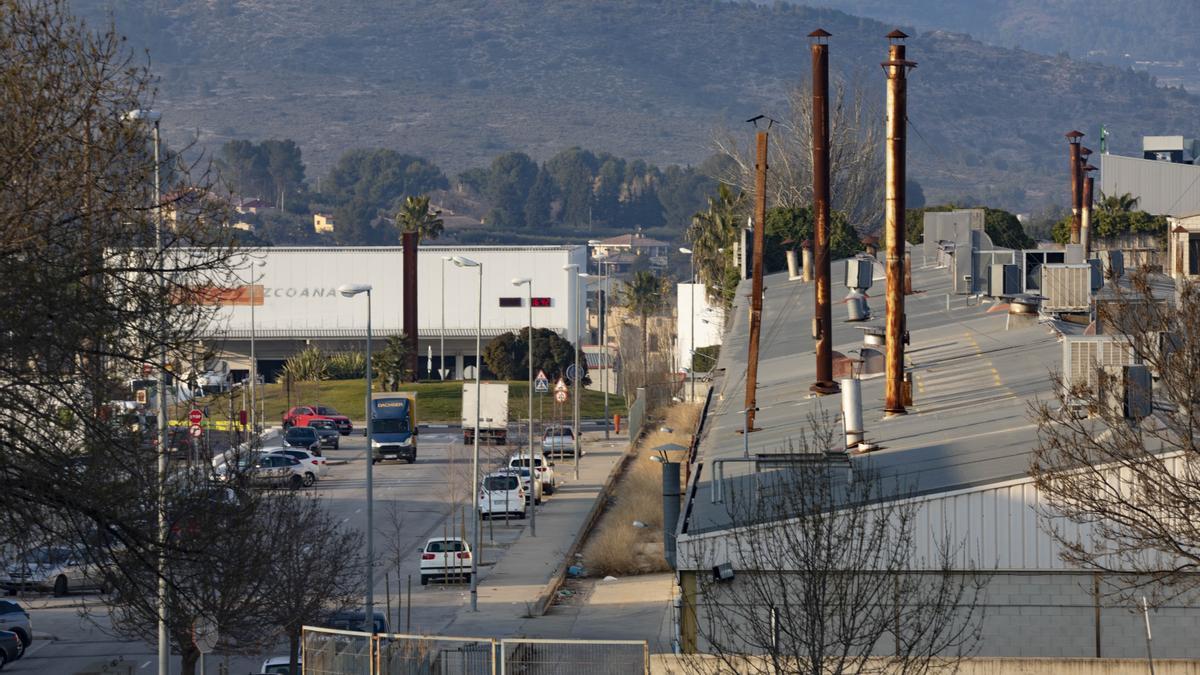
pixel 1116 204
pixel 644 296
pixel 712 234
pixel 391 364
pixel 416 216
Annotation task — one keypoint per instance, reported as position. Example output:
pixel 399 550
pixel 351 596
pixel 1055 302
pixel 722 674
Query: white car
pixel 501 494
pixel 279 665
pixel 50 568
pixel 318 466
pixel 559 441
pixel 534 490
pixel 269 470
pixel 543 467
pixel 445 557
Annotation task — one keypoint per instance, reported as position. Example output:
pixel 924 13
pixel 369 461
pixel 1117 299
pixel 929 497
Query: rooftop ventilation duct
pixel 1126 391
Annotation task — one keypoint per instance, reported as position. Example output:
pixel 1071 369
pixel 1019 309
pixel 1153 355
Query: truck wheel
pixel 411 460
pixel 337 443
pixel 60 586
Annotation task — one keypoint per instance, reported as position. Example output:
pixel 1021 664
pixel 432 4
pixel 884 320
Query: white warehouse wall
pixel 299 301
pixel 706 318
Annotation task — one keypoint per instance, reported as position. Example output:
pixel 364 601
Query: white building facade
pixel 294 302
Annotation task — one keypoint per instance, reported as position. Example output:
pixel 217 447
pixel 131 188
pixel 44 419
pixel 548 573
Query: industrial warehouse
pixel 294 303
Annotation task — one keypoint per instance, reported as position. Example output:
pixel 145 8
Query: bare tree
pixel 89 296
pixel 828 576
pixel 1121 494
pixel 855 163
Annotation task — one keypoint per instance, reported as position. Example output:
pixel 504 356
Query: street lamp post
pixel 254 420
pixel 349 291
pixel 442 348
pixel 164 649
pixel 692 333
pixel 573 271
pixel 604 345
pixel 467 262
pixel 528 283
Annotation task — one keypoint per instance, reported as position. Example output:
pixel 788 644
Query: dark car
pixel 303 437
pixel 354 620
pixel 327 432
pixel 11 648
pixel 14 618
pixel 342 422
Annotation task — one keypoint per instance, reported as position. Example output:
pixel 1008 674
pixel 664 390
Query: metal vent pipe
pixel 852 416
pixel 1085 229
pixel 1076 189
pixel 896 67
pixel 408 241
pixel 823 311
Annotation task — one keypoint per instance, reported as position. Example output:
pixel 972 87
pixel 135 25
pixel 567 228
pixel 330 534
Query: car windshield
pixel 321 424
pixel 389 426
pixel 524 461
pixel 497 483
pixel 322 410
pixel 43 556
pixel 300 434
pixel 445 546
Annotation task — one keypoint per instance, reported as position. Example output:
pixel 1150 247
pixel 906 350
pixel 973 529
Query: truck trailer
pixel 493 413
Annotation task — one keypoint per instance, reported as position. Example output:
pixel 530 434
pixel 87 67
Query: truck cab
pixel 393 427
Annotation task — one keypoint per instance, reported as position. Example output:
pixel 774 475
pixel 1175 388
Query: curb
pixel 546 597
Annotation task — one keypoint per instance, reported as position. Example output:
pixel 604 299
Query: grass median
pixel 436 401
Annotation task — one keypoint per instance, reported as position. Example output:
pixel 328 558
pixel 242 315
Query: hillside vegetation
pixel 460 82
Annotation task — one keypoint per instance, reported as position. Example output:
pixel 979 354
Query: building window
pixel 1194 254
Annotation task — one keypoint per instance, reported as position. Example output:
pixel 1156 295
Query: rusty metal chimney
pixel 896 67
pixel 1085 230
pixel 1073 137
pixel 822 309
pixel 806 260
pixel 756 293
pixel 408 241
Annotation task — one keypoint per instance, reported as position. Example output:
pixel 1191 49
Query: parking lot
pixel 432 497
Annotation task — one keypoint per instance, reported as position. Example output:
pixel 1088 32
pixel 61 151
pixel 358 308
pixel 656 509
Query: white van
pixel 501 493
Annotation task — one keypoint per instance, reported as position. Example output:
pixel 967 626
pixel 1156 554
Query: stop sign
pixel 195 416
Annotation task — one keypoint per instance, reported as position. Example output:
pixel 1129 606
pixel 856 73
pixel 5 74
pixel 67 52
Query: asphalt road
pixel 412 503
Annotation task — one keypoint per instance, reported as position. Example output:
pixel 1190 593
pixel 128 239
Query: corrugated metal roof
pixel 319 334
pixel 969 424
pixel 1162 188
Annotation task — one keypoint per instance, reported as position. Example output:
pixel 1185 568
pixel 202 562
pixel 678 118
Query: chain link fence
pixel 574 657
pixel 338 652
pixel 423 655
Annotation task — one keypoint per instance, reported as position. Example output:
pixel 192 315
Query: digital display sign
pixel 510 302
pixel 540 302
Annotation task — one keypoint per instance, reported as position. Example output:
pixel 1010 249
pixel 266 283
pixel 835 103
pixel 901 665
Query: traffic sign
pixel 196 416
pixel 541 384
pixel 147 369
pixel 197 431
pixel 140 396
pixel 571 370
pixel 560 396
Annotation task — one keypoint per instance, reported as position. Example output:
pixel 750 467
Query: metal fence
pixel 574 657
pixel 339 652
pixel 637 416
pixel 424 655
pixel 336 652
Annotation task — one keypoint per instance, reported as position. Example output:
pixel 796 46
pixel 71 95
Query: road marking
pixel 143 666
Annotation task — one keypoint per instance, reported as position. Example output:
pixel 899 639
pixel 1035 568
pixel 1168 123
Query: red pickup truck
pixel 299 416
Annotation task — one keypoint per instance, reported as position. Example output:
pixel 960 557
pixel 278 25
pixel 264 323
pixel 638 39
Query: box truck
pixel 493 413
pixel 394 426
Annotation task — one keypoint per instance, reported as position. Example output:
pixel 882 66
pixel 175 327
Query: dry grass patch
pixel 615 546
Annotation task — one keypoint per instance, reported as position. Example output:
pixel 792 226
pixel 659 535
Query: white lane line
pixel 141 667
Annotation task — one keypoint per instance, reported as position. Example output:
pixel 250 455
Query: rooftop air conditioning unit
pixel 1126 391
pixel 1004 280
pixel 1083 355
pixel 1067 288
pixel 858 273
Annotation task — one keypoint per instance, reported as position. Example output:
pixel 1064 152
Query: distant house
pixel 322 222
pixel 243 225
pixel 1183 247
pixel 636 244
pixel 252 206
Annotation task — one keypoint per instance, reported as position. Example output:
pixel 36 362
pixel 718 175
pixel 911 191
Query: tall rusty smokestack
pixel 1085 231
pixel 408 241
pixel 756 293
pixel 896 67
pixel 1073 137
pixel 822 311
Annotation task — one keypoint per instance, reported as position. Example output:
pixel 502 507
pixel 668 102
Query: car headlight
pixel 406 442
pixel 376 444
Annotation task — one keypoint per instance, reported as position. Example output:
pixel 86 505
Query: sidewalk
pixel 509 593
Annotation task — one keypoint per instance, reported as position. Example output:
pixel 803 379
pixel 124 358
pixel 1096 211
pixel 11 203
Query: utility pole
pixel 896 67
pixel 823 319
pixel 756 293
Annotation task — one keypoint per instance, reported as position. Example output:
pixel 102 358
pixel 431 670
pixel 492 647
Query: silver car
pixel 49 568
